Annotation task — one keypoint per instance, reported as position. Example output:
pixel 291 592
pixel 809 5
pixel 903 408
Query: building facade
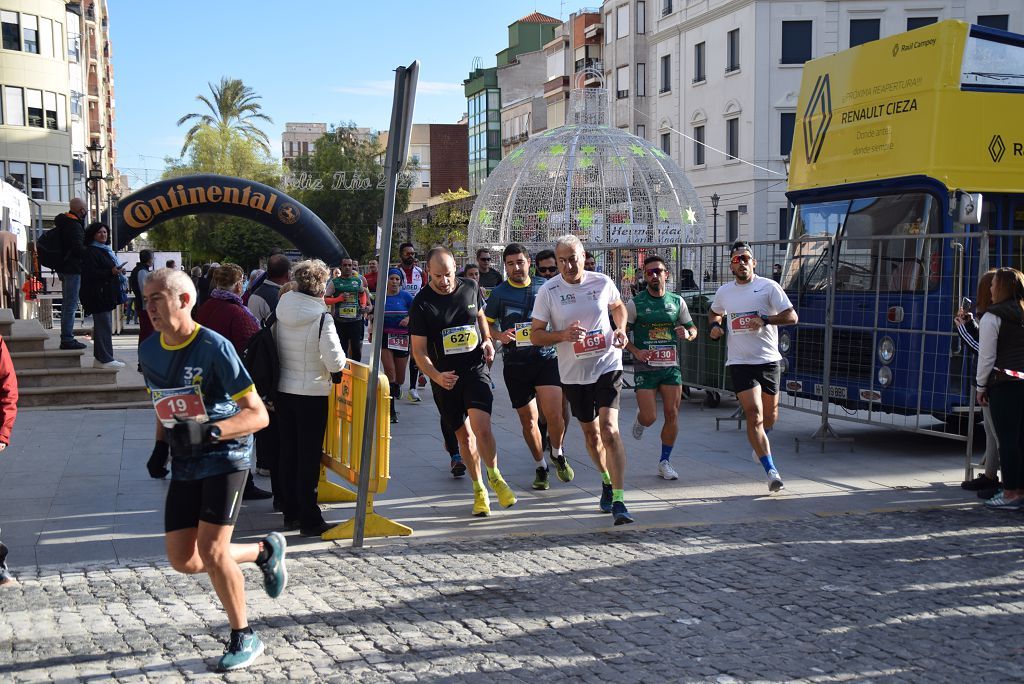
pixel 437 159
pixel 299 140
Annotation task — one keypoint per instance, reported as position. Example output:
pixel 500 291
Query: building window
pixel 864 31
pixel 698 146
pixel 50 110
pixel 14 111
pixel 796 41
pixel 732 54
pixel 641 80
pixel 58 41
pixel 666 74
pixel 622 82
pixel 64 185
pixel 11 30
pixel 38 181
pixel 783 223
pixel 19 172
pixel 666 7
pixel 45 37
pixel 30 31
pixel 666 143
pixel 732 225
pixel 608 28
pixel 732 138
pixel 34 104
pixel 641 16
pixel 787 120
pixel 622 21
pixel 76 104
pixel 699 70
pixel 74 47
pixel 918 22
pixel 996 21
pixel 52 183
pixel 641 131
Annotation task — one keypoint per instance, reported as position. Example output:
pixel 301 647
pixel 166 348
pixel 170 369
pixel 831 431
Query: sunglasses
pixel 483 258
pixel 745 258
pixel 546 269
pixel 655 271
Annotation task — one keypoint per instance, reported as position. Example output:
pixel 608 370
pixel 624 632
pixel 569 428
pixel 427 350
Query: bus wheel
pixel 712 399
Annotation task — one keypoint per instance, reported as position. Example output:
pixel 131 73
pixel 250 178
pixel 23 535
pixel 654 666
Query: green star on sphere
pixel 663 214
pixel 691 216
pixel 658 153
pixel 637 150
pixel 542 166
pixel 485 217
pixel 586 217
pixel 543 214
pixel 557 149
pixel 586 163
pixel 516 155
pixel 588 149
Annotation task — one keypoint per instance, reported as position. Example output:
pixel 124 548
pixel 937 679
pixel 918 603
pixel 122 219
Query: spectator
pixel 72 238
pixel 489 277
pixel 171 264
pixel 8 412
pixel 1000 380
pixel 777 272
pixel 196 273
pixel 589 262
pixel 256 278
pixel 310 351
pixel 203 286
pixel 137 281
pixel 371 277
pixel 472 271
pixel 263 300
pixel 101 293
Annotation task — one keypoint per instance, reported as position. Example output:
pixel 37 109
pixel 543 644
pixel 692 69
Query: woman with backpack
pixel 101 292
pixel 309 351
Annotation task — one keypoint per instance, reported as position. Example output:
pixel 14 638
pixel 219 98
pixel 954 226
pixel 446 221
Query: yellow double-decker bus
pixel 908 156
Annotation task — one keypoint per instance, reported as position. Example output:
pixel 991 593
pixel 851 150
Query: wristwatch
pixel 213 434
pixel 765 319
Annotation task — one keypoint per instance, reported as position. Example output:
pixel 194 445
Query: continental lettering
pixel 879 110
pixel 140 213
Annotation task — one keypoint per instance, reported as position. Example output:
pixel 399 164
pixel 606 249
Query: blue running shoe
pixel 606 498
pixel 275 573
pixel 242 651
pixel 622 516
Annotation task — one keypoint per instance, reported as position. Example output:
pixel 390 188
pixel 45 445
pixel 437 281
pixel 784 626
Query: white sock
pixel 559 451
pixel 542 463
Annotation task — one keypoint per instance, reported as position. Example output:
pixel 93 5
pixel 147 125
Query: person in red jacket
pixel 224 313
pixel 8 411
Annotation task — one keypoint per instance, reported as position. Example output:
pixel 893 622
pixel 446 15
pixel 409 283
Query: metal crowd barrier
pixel 342 441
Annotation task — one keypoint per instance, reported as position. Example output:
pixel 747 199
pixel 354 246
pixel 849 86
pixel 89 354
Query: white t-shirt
pixel 738 304
pixel 560 303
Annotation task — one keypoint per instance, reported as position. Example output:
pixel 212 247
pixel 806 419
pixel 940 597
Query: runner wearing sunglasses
pixel 754 308
pixel 658 319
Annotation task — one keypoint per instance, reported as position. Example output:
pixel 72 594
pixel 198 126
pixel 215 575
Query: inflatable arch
pixel 209 193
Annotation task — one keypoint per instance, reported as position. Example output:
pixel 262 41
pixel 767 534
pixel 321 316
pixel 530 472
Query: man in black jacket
pixel 72 238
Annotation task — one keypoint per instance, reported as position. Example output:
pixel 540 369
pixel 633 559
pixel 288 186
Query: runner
pixel 413 280
pixel 395 350
pixel 347 293
pixel 530 371
pixel 755 307
pixel 547 268
pixel 658 319
pixel 580 307
pixel 489 277
pixel 451 343
pixel 207 410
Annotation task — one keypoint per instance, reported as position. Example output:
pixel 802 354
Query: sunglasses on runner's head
pixel 745 258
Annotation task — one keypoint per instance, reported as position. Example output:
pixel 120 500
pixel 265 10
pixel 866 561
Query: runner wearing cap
pixel 753 307
pixel 395 348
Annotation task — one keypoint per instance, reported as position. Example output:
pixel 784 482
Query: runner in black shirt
pixel 452 343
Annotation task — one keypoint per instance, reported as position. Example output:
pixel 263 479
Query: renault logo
pixel 996 148
pixel 817 117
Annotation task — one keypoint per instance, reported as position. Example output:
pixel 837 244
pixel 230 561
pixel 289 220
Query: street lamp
pixel 95 173
pixel 714 222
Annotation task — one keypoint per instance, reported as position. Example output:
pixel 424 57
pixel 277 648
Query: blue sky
pixel 311 60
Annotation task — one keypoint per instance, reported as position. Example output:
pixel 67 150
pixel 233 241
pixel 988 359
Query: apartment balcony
pixel 515 139
pixel 557 84
pixel 593 31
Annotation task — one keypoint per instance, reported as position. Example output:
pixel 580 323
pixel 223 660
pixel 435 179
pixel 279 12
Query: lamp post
pixel 714 222
pixel 95 175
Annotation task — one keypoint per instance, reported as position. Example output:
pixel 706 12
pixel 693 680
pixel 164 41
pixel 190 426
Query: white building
pixel 727 72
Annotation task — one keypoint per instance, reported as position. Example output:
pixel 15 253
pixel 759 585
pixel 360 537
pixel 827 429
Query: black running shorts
pixel 472 390
pixel 746 377
pixel 523 379
pixel 215 500
pixel 585 401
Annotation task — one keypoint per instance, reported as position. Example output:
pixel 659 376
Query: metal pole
pixel 401 124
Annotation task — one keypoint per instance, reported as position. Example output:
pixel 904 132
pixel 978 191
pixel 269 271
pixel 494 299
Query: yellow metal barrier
pixel 342 441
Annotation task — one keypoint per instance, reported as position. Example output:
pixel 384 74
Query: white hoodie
pixel 306 361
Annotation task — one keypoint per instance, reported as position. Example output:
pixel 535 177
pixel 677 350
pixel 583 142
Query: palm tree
pixel 234 107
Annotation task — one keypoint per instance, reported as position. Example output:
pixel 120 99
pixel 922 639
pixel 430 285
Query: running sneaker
pixel 638 430
pixel 458 467
pixel 541 480
pixel 606 498
pixel 275 573
pixel 1002 503
pixel 979 483
pixel 481 503
pixel 774 481
pixel 422 381
pixel 666 471
pixel 242 651
pixel 562 468
pixel 622 516
pixel 414 396
pixel 506 497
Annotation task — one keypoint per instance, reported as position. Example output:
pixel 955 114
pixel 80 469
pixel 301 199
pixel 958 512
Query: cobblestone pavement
pixel 917 596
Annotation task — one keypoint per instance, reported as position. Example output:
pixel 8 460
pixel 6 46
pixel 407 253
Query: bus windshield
pixel 870 255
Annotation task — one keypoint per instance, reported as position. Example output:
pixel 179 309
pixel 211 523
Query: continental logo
pixel 997 148
pixel 817 117
pixel 141 213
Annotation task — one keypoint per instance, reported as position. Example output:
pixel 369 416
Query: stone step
pixel 98 407
pixel 64 377
pixel 78 395
pixel 49 358
pixel 6 322
pixel 26 343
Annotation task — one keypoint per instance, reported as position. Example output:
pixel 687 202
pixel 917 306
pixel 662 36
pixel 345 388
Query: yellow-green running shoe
pixel 562 468
pixel 506 497
pixel 481 504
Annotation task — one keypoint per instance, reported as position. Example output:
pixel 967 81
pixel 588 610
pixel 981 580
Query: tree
pixel 342 182
pixel 234 108
pixel 448 224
